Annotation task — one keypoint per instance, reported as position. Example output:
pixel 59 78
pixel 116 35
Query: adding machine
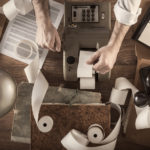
pixel 86 24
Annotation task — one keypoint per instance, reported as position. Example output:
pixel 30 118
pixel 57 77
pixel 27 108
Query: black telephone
pixel 141 98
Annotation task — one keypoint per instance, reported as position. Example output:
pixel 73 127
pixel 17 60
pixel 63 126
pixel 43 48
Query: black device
pixel 142 98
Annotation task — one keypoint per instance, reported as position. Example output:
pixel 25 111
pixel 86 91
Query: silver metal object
pixel 8 93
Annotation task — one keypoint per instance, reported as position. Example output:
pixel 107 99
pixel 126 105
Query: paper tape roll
pixel 10 10
pixel 13 7
pixel 96 133
pixel 45 124
pixel 71 142
pixel 34 75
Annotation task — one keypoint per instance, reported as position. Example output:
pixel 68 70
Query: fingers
pixel 49 40
pixel 55 43
pixel 58 42
pixel 103 71
pixel 52 44
pixel 93 58
pixel 101 67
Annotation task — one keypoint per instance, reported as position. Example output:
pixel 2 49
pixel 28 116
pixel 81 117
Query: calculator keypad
pixel 85 13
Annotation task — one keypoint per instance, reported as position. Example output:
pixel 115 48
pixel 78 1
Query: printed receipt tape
pixel 85 72
pixel 72 142
pixel 34 75
pixel 119 94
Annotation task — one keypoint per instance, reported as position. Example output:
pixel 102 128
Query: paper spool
pixel 14 7
pixel 96 133
pixel 10 10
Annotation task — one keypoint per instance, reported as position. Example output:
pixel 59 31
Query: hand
pixel 106 57
pixel 47 36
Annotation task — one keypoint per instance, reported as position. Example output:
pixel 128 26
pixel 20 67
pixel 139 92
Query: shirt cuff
pixel 125 17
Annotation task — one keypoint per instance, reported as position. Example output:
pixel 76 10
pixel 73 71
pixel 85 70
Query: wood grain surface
pixel 52 69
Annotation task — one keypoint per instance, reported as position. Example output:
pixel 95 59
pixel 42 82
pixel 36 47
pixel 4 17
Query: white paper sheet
pixel 24 28
pixel 145 36
pixel 85 71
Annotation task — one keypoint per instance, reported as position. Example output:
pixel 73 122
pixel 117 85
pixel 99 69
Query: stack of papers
pixel 24 28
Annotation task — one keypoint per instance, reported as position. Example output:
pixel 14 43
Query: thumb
pixel 93 58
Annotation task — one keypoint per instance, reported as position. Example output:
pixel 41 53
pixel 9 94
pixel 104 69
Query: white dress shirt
pixel 127 11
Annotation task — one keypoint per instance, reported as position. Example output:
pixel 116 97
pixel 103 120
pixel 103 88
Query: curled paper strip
pixel 119 95
pixel 120 91
pixel 72 142
pixel 34 75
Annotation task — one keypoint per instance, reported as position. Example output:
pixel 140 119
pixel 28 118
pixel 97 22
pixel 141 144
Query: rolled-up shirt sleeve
pixel 127 11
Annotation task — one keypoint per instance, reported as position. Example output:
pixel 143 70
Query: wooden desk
pixel 52 69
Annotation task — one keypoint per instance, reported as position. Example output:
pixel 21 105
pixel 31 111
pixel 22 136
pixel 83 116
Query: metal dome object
pixel 8 92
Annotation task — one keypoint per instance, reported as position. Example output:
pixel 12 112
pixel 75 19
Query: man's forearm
pixel 118 35
pixel 41 8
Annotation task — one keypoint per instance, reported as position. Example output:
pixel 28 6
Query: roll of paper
pixel 10 10
pixel 45 124
pixel 95 134
pixel 14 7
